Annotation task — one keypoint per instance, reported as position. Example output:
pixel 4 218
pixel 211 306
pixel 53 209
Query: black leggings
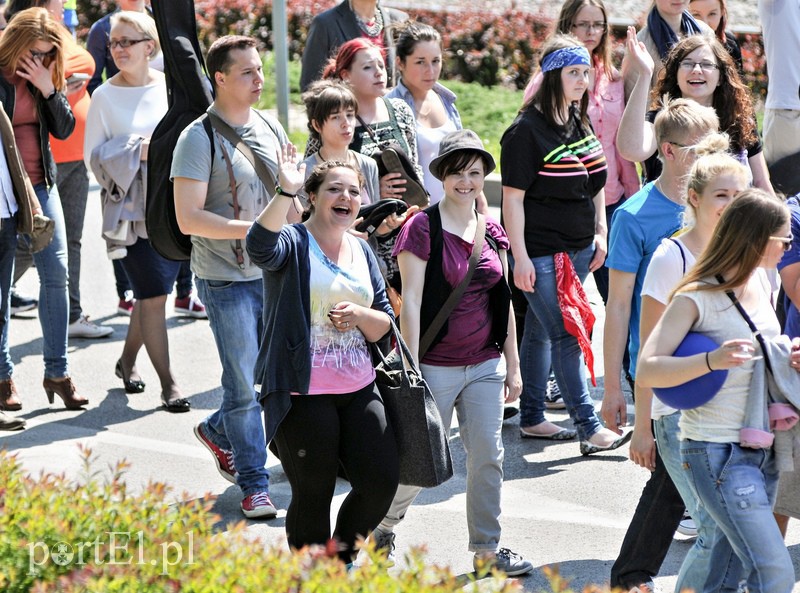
pixel 318 432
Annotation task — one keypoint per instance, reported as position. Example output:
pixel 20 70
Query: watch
pixel 279 191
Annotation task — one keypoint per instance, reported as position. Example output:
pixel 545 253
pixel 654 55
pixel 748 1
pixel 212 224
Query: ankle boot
pixel 66 390
pixel 9 398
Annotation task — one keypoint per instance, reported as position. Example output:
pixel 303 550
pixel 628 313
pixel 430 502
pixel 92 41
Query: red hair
pixel 346 55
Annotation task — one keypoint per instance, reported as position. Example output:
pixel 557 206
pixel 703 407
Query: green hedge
pixel 94 536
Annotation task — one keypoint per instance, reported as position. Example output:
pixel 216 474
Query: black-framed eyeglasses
pixel 690 65
pixel 125 43
pixel 44 56
pixel 787 242
pixel 587 26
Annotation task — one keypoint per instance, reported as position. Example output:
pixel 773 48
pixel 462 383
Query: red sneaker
pixel 222 457
pixel 190 306
pixel 125 307
pixel 258 506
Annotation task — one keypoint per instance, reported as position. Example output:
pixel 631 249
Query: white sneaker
pixel 83 328
pixel 687 525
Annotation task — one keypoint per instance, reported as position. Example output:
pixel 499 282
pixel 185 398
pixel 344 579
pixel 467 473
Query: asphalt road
pixel 558 507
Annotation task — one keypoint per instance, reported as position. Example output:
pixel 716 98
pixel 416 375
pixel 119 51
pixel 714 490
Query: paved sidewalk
pixel 558 506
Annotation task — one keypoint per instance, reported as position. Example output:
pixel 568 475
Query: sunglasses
pixel 44 56
pixel 787 242
pixel 124 43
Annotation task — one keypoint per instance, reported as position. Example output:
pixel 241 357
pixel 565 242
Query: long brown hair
pixel 550 96
pixel 738 243
pixel 731 99
pixel 24 30
pixel 566 20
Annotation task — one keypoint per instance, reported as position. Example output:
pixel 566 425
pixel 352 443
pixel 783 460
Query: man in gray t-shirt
pixel 229 284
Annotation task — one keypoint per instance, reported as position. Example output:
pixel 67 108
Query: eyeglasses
pixel 587 26
pixel 43 56
pixel 689 65
pixel 787 242
pixel 124 43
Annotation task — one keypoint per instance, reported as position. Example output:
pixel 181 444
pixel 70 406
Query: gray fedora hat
pixel 460 140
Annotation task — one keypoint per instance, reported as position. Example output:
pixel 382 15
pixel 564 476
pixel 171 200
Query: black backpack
pixel 189 94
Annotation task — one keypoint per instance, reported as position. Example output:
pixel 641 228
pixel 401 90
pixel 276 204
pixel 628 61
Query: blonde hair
pixel 738 243
pixel 679 118
pixel 713 160
pixel 25 29
pixel 140 21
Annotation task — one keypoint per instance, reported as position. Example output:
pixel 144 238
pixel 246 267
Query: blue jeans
pixel 8 245
pixel 475 394
pixel 51 265
pixel 737 487
pixel 710 565
pixel 234 313
pixel 547 341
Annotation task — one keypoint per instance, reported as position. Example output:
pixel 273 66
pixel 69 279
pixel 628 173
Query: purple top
pixel 469 330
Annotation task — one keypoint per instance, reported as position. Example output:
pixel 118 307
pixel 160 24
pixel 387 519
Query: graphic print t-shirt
pixel 561 170
pixel 340 361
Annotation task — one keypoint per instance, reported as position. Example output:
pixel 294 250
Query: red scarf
pixel 575 308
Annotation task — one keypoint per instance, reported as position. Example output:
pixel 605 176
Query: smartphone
pixel 78 77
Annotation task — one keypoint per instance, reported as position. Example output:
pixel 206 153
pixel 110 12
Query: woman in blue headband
pixel 554 171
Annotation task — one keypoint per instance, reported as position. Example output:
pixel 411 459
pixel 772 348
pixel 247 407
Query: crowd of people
pixel 298 299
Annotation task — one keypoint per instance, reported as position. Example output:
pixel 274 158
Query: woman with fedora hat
pixel 471 363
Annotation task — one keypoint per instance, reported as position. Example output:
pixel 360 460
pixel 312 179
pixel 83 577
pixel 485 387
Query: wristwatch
pixel 279 191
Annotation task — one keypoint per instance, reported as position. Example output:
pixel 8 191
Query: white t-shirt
pixel 780 20
pixel 669 264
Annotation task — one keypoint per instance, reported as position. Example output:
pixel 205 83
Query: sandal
pixel 562 434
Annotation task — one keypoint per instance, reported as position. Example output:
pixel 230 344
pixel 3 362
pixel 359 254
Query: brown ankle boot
pixel 66 390
pixel 9 398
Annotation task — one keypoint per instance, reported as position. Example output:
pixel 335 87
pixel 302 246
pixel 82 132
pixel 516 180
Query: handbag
pixel 393 159
pixel 422 440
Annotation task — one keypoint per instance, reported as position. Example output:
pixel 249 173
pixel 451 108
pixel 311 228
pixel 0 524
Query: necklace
pixel 371 29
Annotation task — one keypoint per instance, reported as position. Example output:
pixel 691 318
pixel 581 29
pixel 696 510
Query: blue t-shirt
pixel 792 327
pixel 637 228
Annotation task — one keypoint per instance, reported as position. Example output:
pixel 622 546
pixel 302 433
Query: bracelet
pixel 279 191
pixel 708 365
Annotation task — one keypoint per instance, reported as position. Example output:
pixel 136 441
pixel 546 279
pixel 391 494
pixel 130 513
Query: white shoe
pixel 687 525
pixel 83 328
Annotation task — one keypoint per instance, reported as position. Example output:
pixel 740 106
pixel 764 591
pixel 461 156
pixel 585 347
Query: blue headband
pixel 567 56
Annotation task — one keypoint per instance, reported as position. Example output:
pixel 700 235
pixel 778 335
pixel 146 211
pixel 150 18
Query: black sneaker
pixel 20 304
pixel 511 563
pixel 384 542
pixel 552 396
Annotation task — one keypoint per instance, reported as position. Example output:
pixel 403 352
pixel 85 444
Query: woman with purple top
pixel 471 365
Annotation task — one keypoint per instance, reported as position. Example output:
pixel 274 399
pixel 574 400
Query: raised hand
pixel 34 71
pixel 290 176
pixel 637 57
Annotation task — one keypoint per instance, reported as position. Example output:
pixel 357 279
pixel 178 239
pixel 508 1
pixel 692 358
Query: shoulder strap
pixel 683 255
pixel 455 296
pixel 238 251
pixel 750 324
pixel 227 132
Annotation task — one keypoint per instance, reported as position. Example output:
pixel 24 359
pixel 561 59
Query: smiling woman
pixel 329 304
pixel 124 112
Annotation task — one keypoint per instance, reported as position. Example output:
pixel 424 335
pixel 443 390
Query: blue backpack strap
pixel 683 255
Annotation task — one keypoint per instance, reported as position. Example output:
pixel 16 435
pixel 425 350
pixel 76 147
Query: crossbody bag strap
pixel 750 324
pixel 455 296
pixel 238 251
pixel 264 174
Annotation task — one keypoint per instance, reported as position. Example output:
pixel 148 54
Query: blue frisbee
pixel 699 391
